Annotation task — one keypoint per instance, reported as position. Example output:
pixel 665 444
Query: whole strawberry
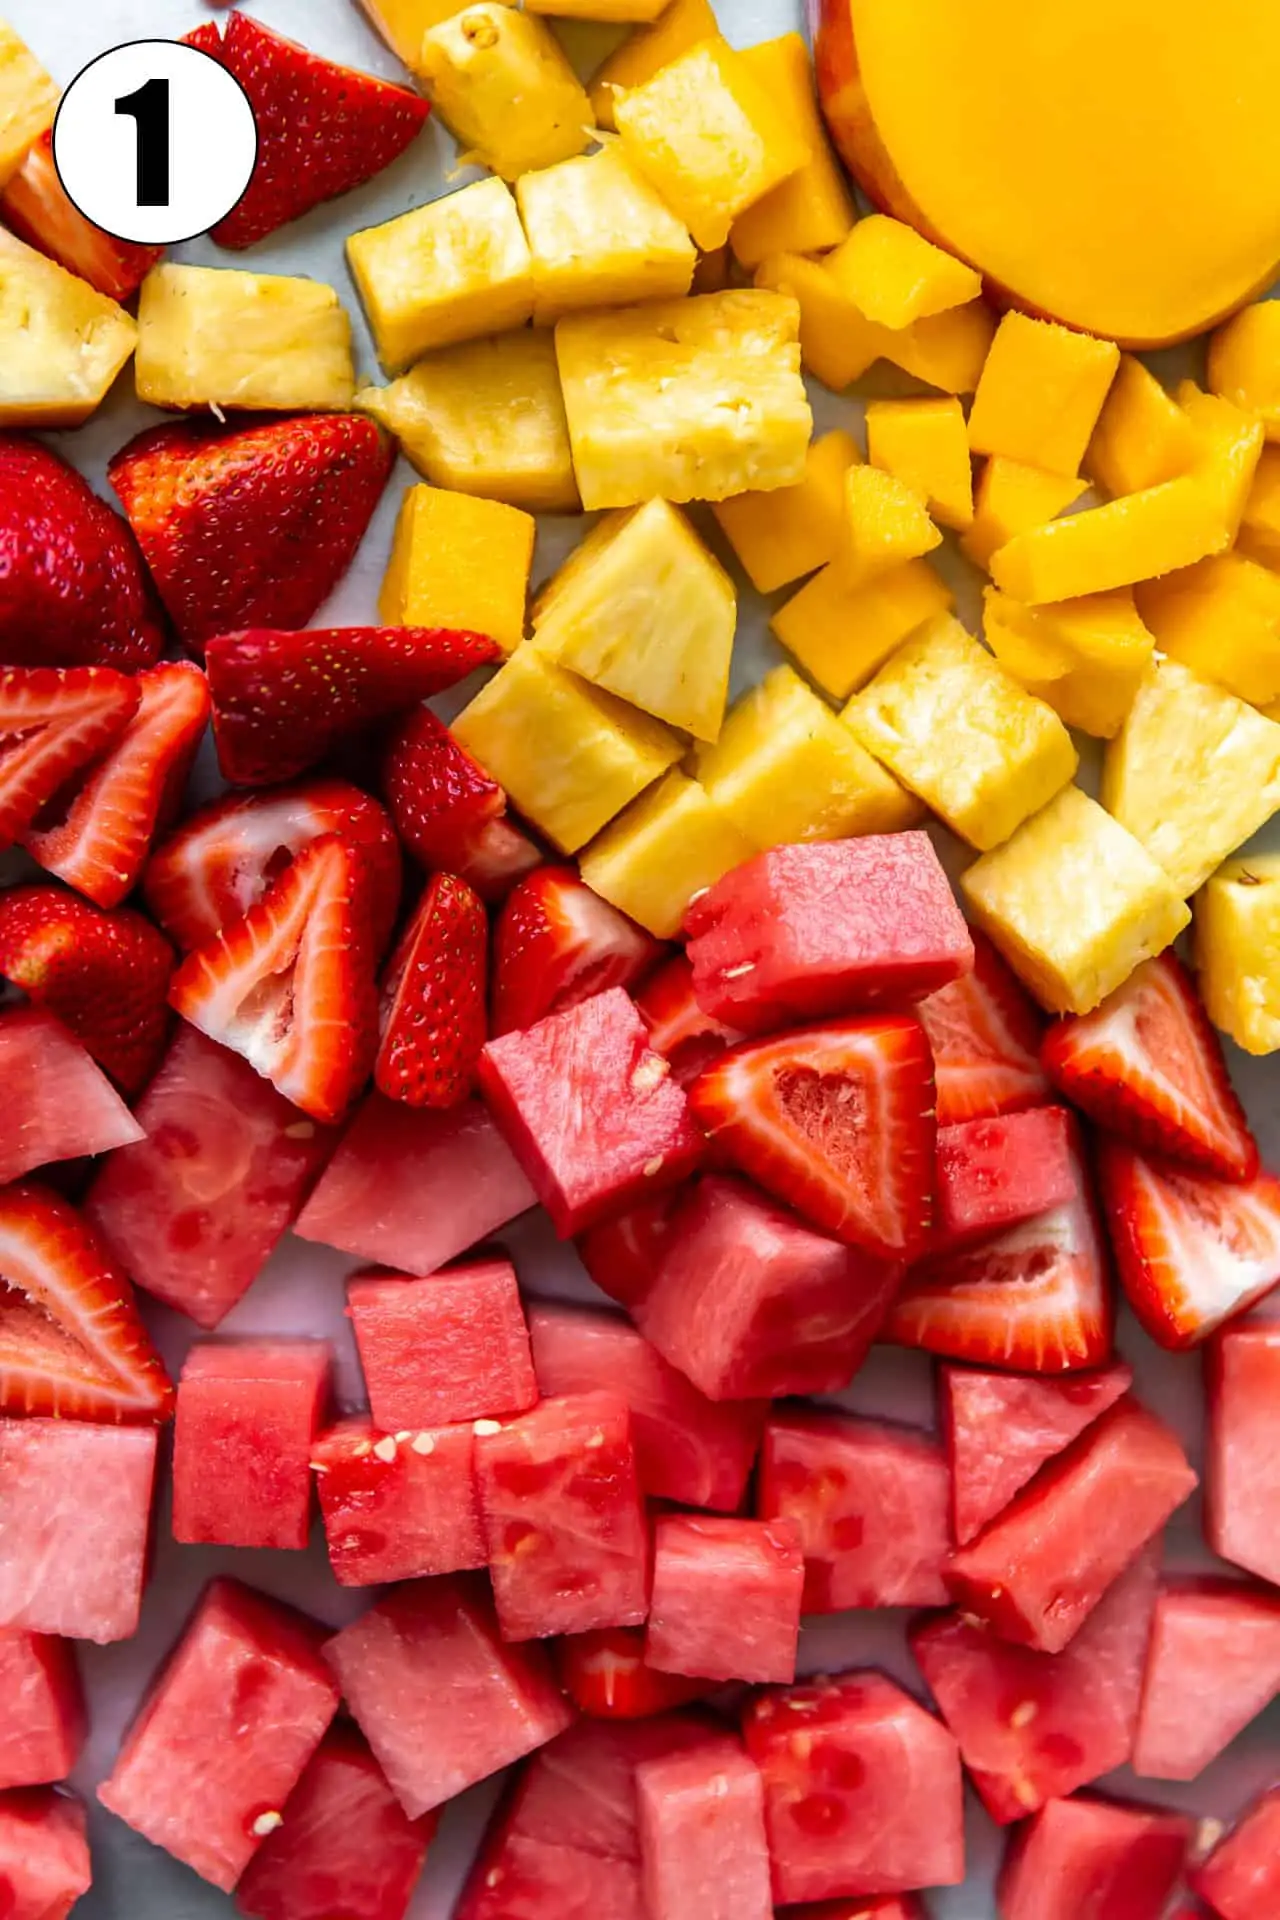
pixel 433 1000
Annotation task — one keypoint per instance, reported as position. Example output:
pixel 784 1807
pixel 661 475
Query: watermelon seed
pixel 267 1823
pixel 653 1167
pixel 483 1428
pixel 386 1449
pixel 425 1443
pixel 1023 1714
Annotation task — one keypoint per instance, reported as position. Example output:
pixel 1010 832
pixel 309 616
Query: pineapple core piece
pixel 685 400
pixel 813 210
pixel 643 610
pixel 500 81
pixel 1237 948
pixel 1012 498
pixel 678 26
pixel 64 343
pixel 670 844
pixel 843 633
pixel 28 99
pixel 780 536
pixel 1142 438
pixel 215 337
pixel 1041 392
pixel 1221 618
pixel 600 236
pixel 457 561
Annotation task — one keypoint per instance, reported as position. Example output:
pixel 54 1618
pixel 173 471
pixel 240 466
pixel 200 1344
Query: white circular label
pixel 155 142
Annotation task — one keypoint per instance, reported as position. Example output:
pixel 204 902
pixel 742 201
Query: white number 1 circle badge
pixel 155 142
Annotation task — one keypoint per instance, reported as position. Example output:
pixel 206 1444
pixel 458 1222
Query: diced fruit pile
pixel 691 977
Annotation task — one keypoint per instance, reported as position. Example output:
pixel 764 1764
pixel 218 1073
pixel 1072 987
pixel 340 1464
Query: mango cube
pixel 897 277
pixel 1228 446
pixel 781 536
pixel 837 343
pixel 402 23
pixel 570 757
pixel 1221 618
pixel 962 734
pixel 1138 537
pixel 1074 903
pixel 64 343
pixel 1237 950
pixel 1259 535
pixel 678 26
pixel 669 844
pixel 685 400
pixel 1142 438
pixel 1012 498
pixel 813 210
pixel 1041 392
pixel 842 633
pixel 1086 658
pixel 452 270
pixel 213 337
pixel 1244 363
pixel 948 350
pixel 28 98
pixel 500 81
pixel 457 561
pixel 599 236
pixel 1192 773
pixel 885 523
pixel 924 443
pixel 626 12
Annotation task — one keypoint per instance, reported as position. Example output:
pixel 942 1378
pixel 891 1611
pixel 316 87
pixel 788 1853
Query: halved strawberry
pixel 555 943
pixel 281 700
pixel 1147 1065
pixel 985 1033
pixel 53 722
pixel 687 1037
pixel 72 1344
pixel 448 811
pixel 36 207
pixel 290 986
pixel 1191 1251
pixel 835 1120
pixel 433 1000
pixel 604 1674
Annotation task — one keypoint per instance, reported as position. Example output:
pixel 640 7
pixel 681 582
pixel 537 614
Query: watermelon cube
pixel 1242 1476
pixel 622 1255
pixel 436 1693
pixel 684 1033
pixel 1093 1857
pixel 450 1346
pixel 1213 1665
pixel 398 1506
pixel 749 1302
pixel 985 1031
pixel 889 1906
pixel 346 1846
pixel 75 1513
pixel 801 932
pixel 563 1518
pixel 870 1501
pixel 222 1740
pixel 44 1854
pixel 726 1597
pixel 703 1851
pixel 606 1675
pixel 520 1878
pixel 688 1448
pixel 1038 1571
pixel 412 1189
pixel 862 1789
pixel 247 1414
pixel 43 1725
pixel 58 1103
pixel 626 1131
pixel 195 1209
pixel 992 1174
pixel 1241 1877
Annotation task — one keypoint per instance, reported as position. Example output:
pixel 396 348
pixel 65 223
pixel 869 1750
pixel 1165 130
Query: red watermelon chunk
pixel 563 1518
pixel 451 1346
pixel 623 1255
pixel 247 1414
pixel 1213 1665
pixel 1093 1857
pixel 726 1598
pixel 223 1738
pixel 43 1725
pixel 44 1854
pixel 992 1174
pixel 703 1851
pixel 398 1506
pixel 606 1675
pixel 1241 1877
pixel 1242 1476
pixel 580 1790
pixel 520 1878
pixel 58 1104
pixel 985 1031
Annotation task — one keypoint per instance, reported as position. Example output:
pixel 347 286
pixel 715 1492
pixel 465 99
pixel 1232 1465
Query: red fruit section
pixel 606 1675
pixel 53 723
pixel 703 1850
pixel 451 1346
pixel 1214 1665
pixel 398 1506
pixel 555 944
pixel 526 1879
pixel 1081 1856
pixel 1241 1877
pixel 624 1255
pixel 433 1019
pixel 890 1906
pixel 993 1174
pixel 44 1724
pixel 57 1103
pixel 726 1598
pixel 686 1036
pixel 44 1853
pixel 247 1414
pixel 36 207
pixel 1242 1484
pixel 985 1033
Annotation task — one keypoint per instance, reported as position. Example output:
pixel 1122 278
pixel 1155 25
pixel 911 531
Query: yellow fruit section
pixel 1244 363
pixel 1139 537
pixel 1260 528
pixel 64 343
pixel 667 846
pixel 403 23
pixel 1237 950
pixel 836 342
pixel 1228 446
pixel 679 26
pixel 500 81
pixel 625 11
pixel 1086 658
pixel 947 351
pixel 885 523
pixel 781 536
pixel 1041 392
pixel 896 278
pixel 28 98
pixel 813 210
pixel 924 444
pixel 1221 619
pixel 841 633
pixel 211 337
pixel 599 236
pixel 1012 498
pixel 1142 438
pixel 457 561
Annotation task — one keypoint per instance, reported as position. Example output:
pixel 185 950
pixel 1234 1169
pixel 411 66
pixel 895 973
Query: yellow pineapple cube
pixel 1085 657
pixel 1012 498
pixel 625 12
pixel 213 337
pixel 671 843
pixel 784 769
pixel 452 270
pixel 842 633
pixel 1228 446
pixel 1244 363
pixel 500 81
pixel 885 523
pixel 457 561
pixel 1138 537
pixel 709 137
pixel 570 757
pixel 1041 392
pixel 1237 950
pixel 599 236
pixel 1221 618
pixel 1142 437
pixel 1192 773
pixel 836 342
pixel 896 277
pixel 780 536
pixel 680 25
pixel 403 23
pixel 648 614
pixel 28 98
pixel 1260 528
pixel 685 400
pixel 64 343
pixel 813 210
pixel 1074 903
pixel 959 731
pixel 948 350
pixel 485 417
pixel 925 445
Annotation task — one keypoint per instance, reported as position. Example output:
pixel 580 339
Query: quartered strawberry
pixel 837 1121
pixel 687 1037
pixel 36 207
pixel 105 976
pixel 604 1674
pixel 1191 1251
pixel 71 1342
pixel 290 985
pixel 96 833
pixel 251 525
pixel 450 813
pixel 281 700
pixel 433 1000
pixel 1147 1065
pixel 555 943
pixel 985 1033
pixel 53 722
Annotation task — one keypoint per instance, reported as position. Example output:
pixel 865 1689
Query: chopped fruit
pixel 842 634
pixel 1228 445
pixel 452 270
pixel 434 1019
pixel 947 351
pixel 211 337
pixel 1142 438
pixel 1041 392
pixel 28 97
pixel 622 1255
pixel 1260 525
pixel 580 1792
pixel 1241 1877
pixel 896 278
pixel 223 1738
pixel 837 343
pixel 600 236
pixel 246 1417
pixel 870 1503
pixel 680 25
pixel 452 1346
pixel 690 400
pixel 58 1105
pixel 862 1789
pixel 398 1506
pixel 1137 537
pixel 813 209
pixel 44 1851
pixel 923 444
pixel 402 23
pixel 488 59
pixel 1214 1664
pixel 64 341
pixel 1237 936
pixel 780 536
pixel 447 810
pixel 54 722
pixel 886 521
pixel 45 1723
pixel 1242 363
pixel 703 1851
pixel 555 944
pixel 669 847
pixel 1122 1859
pixel 1012 498
pixel 985 1035
pixel 726 1598
pixel 1221 618
pixel 37 207
pixel 1086 658
pixel 459 562
pixel 992 1174
pixel 1242 1490
pixel 684 1033
pixel 605 1675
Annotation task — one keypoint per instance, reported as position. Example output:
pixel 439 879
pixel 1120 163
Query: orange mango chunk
pixel 1142 436
pixel 885 523
pixel 1138 537
pixel 841 634
pixel 813 210
pixel 1041 393
pixel 678 27
pixel 1228 446
pixel 924 444
pixel 1221 618
pixel 837 343
pixel 1012 498
pixel 1244 363
pixel 1085 657
pixel 897 277
pixel 459 561
pixel 781 536
pixel 1260 528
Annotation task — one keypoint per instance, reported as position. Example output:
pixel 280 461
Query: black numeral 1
pixel 149 106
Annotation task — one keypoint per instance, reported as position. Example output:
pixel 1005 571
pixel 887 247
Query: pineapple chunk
pixel 1221 618
pixel 64 343
pixel 780 536
pixel 500 81
pixel 213 337
pixel 599 236
pixel 1138 537
pixel 452 270
pixel 28 98
pixel 1142 437
pixel 1237 949
pixel 836 342
pixel 896 277
pixel 1074 903
pixel 924 443
pixel 626 12
pixel 1041 392
pixel 885 523
pixel 680 25
pixel 709 137
pixel 685 400
pixel 486 417
pixel 785 770
pixel 1244 363
pixel 1012 498
pixel 1260 527
pixel 960 732
pixel 813 210
pixel 1085 657
pixel 570 757
pixel 647 614
pixel 1228 446
pixel 403 23
pixel 459 562
pixel 841 633
pixel 670 844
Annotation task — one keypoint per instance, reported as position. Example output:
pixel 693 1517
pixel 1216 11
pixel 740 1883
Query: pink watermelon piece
pixel 520 1878
pixel 1213 1665
pixel 1080 1856
pixel 993 1174
pixel 398 1506
pixel 726 1597
pixel 703 1851
pixel 450 1346
pixel 1241 1877
pixel 58 1103
pixel 623 1255
pixel 43 1726
pixel 247 1414
pixel 44 1854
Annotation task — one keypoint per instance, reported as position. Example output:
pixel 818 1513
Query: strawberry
pixel 290 985
pixel 36 207
pixel 251 525
pixel 72 1344
pixel 985 1033
pixel 1147 1065
pixel 104 975
pixel 1191 1250
pixel 73 589
pixel 281 700
pixel 686 1037
pixel 837 1121
pixel 97 831
pixel 448 811
pixel 604 1674
pixel 555 943
pixel 53 722
pixel 433 1001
